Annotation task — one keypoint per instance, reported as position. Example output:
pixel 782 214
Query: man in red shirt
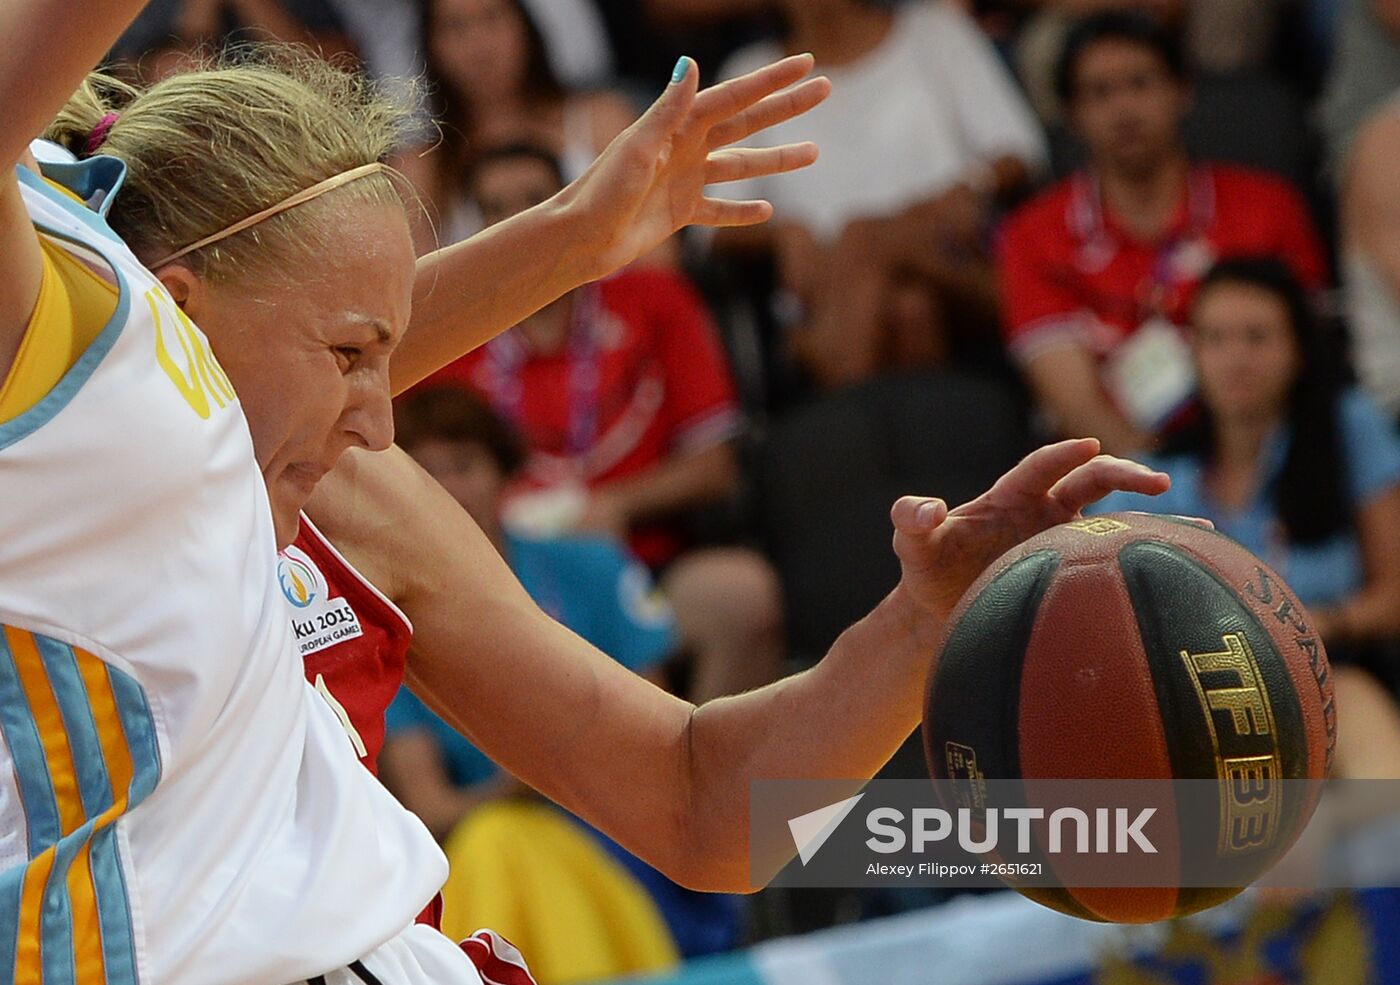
pixel 1098 272
pixel 625 399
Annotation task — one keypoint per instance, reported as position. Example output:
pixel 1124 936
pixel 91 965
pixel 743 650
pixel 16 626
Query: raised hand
pixel 651 180
pixel 941 553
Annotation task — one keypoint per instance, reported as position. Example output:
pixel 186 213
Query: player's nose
pixel 369 417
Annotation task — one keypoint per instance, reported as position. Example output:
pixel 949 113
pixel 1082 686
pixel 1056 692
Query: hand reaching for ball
pixel 941 553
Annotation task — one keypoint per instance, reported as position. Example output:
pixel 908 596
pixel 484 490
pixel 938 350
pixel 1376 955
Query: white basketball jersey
pixel 176 805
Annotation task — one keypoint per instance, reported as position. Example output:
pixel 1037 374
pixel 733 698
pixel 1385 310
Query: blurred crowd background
pixel 1170 224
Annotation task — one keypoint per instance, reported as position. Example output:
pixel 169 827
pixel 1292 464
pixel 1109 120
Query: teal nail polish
pixel 682 67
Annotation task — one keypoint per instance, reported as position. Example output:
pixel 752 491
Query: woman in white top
pixel 882 241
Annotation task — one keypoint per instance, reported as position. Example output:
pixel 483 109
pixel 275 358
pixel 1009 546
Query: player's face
pixel 479 46
pixel 468 471
pixel 1246 355
pixel 509 186
pixel 1128 106
pixel 308 354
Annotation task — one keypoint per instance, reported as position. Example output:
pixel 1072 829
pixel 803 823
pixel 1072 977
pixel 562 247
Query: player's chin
pixel 288 497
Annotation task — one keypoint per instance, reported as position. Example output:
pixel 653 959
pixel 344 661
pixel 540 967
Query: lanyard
pixel 507 356
pixel 1200 208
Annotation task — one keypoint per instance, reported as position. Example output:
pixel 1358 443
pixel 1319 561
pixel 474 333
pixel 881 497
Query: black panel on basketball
pixel 1183 608
pixel 983 658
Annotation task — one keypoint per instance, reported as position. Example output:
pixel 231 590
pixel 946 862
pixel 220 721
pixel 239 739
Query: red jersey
pixel 1071 273
pixel 642 377
pixel 353 641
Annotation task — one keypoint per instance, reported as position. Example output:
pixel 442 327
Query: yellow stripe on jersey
pixel 29 969
pixel 74 305
pixel 89 963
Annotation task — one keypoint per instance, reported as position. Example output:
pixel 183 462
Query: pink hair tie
pixel 99 132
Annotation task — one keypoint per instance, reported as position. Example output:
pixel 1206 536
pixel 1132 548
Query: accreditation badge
pixel 1150 376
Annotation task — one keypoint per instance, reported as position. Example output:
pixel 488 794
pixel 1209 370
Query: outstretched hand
pixel 942 553
pixel 651 180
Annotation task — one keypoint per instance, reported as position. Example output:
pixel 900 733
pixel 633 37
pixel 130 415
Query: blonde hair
pixel 236 135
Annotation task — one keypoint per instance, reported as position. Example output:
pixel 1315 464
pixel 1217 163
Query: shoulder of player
pixel 365 507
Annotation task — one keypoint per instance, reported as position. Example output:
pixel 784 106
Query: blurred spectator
pixel 622 391
pixel 1300 470
pixel 494 84
pixel 1365 72
pixel 1219 35
pixel 881 243
pixel 1371 254
pixel 165 34
pixel 1098 271
pixel 591 585
pixel 1040 43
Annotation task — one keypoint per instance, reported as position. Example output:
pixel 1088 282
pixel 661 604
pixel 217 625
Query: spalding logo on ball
pixel 1136 647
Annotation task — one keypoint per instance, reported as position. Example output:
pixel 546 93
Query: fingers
pixel 916 515
pixel 1195 521
pixel 737 164
pixel 730 98
pixel 1105 474
pixel 1038 472
pixel 773 109
pixel 915 518
pixel 669 111
pixel 721 212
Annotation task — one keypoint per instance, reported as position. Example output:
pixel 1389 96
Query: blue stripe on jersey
pixel 81 181
pixel 56 915
pixel 94 784
pixel 140 728
pixel 78 374
pixel 11 890
pixel 31 768
pixel 113 909
pixel 113 906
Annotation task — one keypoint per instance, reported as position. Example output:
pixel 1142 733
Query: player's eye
pixel 348 356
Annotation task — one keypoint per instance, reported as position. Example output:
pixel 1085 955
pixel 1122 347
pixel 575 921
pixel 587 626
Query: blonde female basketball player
pixel 175 805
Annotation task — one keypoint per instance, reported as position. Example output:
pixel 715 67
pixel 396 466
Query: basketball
pixel 1135 647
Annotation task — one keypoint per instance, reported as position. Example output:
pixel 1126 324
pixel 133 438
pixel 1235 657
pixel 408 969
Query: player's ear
pixel 186 288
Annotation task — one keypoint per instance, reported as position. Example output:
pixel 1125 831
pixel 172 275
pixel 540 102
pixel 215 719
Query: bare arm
pixel 649 183
pixel 668 781
pixel 1374 612
pixel 1066 382
pixel 46 53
